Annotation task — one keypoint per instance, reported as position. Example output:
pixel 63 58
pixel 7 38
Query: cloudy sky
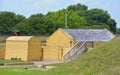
pixel 29 7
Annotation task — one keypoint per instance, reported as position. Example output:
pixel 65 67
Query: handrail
pixel 78 44
pixel 76 50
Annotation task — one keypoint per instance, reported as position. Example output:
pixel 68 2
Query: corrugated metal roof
pixel 19 38
pixel 86 35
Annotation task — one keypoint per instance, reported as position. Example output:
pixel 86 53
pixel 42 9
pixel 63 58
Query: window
pixel 43 43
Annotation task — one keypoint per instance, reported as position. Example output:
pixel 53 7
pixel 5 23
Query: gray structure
pixel 89 35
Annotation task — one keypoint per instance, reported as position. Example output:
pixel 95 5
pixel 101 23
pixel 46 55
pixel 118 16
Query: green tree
pixel 8 20
pixel 112 25
pixel 77 7
pixel 75 21
pixel 78 16
pixel 36 24
pixel 97 18
pixel 118 30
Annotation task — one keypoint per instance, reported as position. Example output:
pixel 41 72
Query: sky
pixel 29 7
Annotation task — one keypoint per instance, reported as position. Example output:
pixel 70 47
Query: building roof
pixel 15 30
pixel 85 35
pixel 19 38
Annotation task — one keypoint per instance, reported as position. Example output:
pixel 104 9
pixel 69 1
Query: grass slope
pixel 102 60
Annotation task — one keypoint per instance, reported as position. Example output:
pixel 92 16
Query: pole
pixel 66 20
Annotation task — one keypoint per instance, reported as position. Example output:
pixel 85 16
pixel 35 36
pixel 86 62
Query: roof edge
pixel 19 38
pixel 110 32
pixel 67 33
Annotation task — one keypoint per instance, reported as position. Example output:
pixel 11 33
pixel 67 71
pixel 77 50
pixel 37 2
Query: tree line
pixel 78 16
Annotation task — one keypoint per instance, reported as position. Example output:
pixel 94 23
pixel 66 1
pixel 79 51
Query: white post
pixel 66 20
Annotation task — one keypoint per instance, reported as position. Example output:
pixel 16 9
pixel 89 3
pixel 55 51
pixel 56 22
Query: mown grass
pixel 102 60
pixel 18 71
pixel 21 70
pixel 9 61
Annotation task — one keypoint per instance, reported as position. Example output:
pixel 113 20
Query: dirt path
pixel 44 62
pixel 37 63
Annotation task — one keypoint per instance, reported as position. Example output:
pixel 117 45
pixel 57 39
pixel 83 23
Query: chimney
pixel 15 32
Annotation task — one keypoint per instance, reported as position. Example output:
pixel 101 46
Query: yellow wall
pixel 16 49
pixel 26 50
pixel 34 49
pixel 52 53
pixel 3 38
pixel 65 50
pixel 60 38
pixel 2 51
pixel 98 43
pixel 93 44
pixel 43 38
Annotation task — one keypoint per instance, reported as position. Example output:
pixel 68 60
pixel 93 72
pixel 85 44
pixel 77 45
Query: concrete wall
pixel 2 51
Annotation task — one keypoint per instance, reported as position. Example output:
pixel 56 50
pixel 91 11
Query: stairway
pixel 75 51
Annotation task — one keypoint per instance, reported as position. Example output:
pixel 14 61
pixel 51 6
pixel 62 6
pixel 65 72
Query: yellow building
pixel 2 51
pixel 57 44
pixel 63 39
pixel 29 48
pixel 24 48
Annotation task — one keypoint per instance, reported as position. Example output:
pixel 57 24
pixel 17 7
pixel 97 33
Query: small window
pixel 90 44
pixel 12 59
pixel 15 58
pixel 43 43
pixel 19 58
pixel 70 43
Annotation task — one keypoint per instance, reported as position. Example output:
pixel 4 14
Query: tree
pixel 118 30
pixel 8 20
pixel 112 25
pixel 77 7
pixel 97 18
pixel 75 21
pixel 33 25
pixel 78 16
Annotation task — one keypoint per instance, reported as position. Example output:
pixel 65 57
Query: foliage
pixel 78 16
pixel 34 24
pixel 8 20
pixel 112 24
pixel 77 7
pixel 118 30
